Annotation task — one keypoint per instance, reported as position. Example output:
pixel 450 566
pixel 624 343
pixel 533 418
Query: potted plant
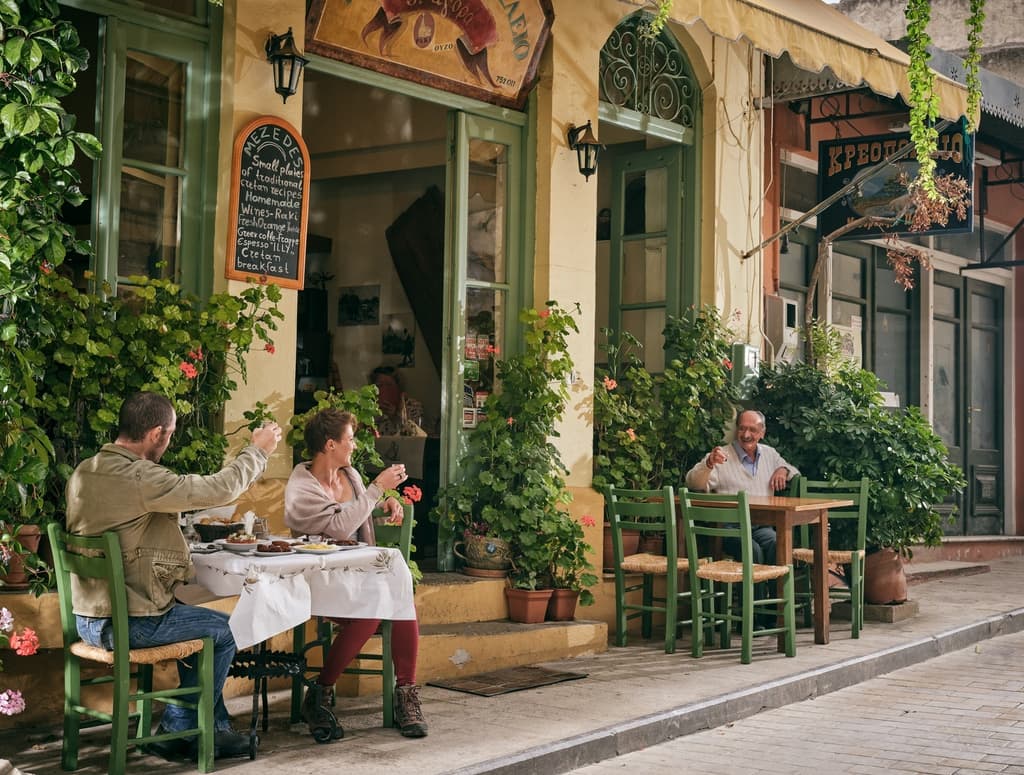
pixel 650 428
pixel 829 421
pixel 570 569
pixel 512 485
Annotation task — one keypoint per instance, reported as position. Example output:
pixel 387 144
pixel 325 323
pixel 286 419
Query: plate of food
pixel 274 547
pixel 317 548
pixel 242 543
pixel 347 543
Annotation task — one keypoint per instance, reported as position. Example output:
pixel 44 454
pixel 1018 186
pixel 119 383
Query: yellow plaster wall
pixel 247 93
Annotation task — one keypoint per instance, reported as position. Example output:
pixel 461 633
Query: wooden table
pixel 784 513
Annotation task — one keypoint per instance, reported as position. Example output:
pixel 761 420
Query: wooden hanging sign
pixel 485 49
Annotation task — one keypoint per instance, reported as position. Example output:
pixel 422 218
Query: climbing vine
pixel 924 103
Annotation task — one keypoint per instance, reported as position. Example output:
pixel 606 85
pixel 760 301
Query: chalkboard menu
pixel 269 204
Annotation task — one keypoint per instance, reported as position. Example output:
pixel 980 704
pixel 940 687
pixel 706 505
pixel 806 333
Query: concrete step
pixel 449 598
pixel 919 572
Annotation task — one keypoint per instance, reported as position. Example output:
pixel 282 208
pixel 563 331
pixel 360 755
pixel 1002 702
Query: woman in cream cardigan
pixel 326 496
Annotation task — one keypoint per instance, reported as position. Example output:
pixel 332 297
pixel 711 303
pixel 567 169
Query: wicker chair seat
pixel 835 556
pixel 148 656
pixel 731 572
pixel 653 563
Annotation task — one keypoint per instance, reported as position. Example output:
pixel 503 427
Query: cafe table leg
pixel 822 605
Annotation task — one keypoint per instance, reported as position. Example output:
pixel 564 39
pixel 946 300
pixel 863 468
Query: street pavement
pixel 633 698
pixel 955 714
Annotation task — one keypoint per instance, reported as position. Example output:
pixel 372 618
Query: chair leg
pixel 697 601
pixel 647 618
pixel 144 683
pixel 72 698
pixel 856 596
pixel 671 611
pixel 789 614
pixel 387 675
pixel 119 723
pixel 621 636
pixel 204 711
pixel 725 628
pixel 747 623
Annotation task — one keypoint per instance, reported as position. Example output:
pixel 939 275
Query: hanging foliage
pixel 924 103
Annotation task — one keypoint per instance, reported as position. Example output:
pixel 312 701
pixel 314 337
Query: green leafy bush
pixel 511 479
pixel 650 428
pixel 831 425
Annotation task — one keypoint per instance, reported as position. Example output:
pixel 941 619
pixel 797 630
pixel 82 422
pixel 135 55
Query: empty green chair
pixel 100 558
pixel 649 511
pixel 727 516
pixel 850 554
pixel 400 537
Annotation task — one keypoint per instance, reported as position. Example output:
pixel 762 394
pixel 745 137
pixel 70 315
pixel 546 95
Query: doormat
pixel 512 679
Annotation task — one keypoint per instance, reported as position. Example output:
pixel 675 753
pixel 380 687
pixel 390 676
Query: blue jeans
pixel 182 622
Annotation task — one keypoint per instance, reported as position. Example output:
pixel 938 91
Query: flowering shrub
pixel 512 482
pixel 87 352
pixel 650 428
pixel 25 644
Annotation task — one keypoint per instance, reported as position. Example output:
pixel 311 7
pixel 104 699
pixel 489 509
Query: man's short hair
pixel 325 425
pixel 142 412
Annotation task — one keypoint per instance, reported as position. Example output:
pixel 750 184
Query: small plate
pixel 204 548
pixel 306 549
pixel 247 548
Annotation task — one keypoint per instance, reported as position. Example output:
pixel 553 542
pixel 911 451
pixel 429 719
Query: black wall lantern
pixel 287 61
pixel 582 140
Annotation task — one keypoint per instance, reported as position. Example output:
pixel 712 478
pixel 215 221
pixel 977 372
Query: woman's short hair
pixel 141 412
pixel 325 425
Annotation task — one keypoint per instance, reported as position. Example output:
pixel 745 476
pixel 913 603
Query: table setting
pixel 304 577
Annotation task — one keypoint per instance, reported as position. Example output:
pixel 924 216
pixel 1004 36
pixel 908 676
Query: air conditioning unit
pixel 781 317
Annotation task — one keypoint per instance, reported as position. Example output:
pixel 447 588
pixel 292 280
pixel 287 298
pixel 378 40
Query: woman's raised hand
pixel 391 477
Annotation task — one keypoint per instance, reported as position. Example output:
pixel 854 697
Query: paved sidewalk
pixel 633 698
pixel 956 714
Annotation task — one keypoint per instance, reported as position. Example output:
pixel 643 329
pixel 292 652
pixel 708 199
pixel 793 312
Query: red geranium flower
pixel 587 521
pixel 25 643
pixel 413 493
pixel 270 349
pixel 188 369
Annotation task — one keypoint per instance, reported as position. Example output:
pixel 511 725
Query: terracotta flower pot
pixel 15 577
pixel 630 541
pixel 884 578
pixel 527 606
pixel 562 605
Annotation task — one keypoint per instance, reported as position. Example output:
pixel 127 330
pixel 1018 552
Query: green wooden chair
pixel 400 537
pixel 100 558
pixel 851 558
pixel 649 511
pixel 728 516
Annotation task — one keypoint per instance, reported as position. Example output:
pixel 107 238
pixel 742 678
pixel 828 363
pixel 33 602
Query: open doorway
pixel 373 303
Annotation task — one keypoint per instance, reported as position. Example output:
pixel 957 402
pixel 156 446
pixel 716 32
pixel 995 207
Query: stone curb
pixel 608 742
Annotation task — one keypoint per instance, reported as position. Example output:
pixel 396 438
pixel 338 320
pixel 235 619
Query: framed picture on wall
pixel 359 305
pixel 399 338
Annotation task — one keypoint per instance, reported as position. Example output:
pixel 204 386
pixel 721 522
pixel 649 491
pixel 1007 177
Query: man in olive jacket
pixel 123 488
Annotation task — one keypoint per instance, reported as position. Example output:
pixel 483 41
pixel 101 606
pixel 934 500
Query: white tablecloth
pixel 277 593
